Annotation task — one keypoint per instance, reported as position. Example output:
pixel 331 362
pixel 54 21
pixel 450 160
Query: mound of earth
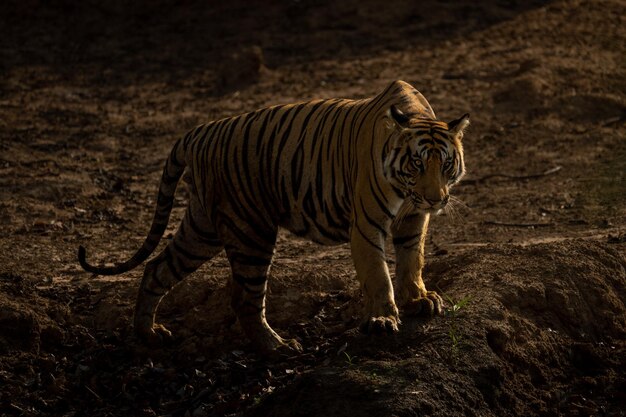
pixel 536 330
pixel 528 330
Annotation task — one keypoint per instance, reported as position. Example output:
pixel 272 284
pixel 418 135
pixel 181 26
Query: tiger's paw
pixel 379 325
pixel 155 336
pixel 429 306
pixel 290 346
pixel 275 348
pixel 267 342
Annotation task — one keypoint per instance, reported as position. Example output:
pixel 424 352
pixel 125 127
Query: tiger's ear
pixel 397 116
pixel 458 126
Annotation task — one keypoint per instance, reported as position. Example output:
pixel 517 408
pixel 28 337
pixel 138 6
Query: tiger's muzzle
pixel 430 205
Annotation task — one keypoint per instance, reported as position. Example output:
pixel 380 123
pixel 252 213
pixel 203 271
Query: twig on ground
pixel 512 177
pixel 494 223
pixel 92 392
pixel 613 121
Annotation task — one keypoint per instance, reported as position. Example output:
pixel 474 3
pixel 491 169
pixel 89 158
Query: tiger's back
pixel 263 163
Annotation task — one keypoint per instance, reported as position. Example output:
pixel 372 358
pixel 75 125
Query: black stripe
pixel 398 191
pixel 152 293
pixel 144 251
pixel 221 154
pixel 187 254
pixel 337 209
pixel 279 151
pixel 169 259
pixel 308 205
pixel 250 260
pixel 244 152
pixel 164 201
pixel 316 141
pixel 377 192
pixel 305 231
pixel 382 205
pixel 376 104
pixel 187 138
pixel 167 178
pixel 155 278
pixel 173 154
pixel 296 171
pixel 330 235
pixel 244 237
pixel 250 209
pixel 239 279
pixel 335 216
pixel 319 180
pixel 371 221
pixel 268 182
pixel 232 124
pixel 428 140
pixel 257 184
pixel 210 238
pixel 202 157
pixel 404 239
pixel 298 157
pixel 157 229
pixel 329 136
pixel 284 194
pixel 255 280
pixel 197 130
pixel 259 139
pixel 342 164
pixel 256 310
pixel 441 142
pixel 412 245
pixel 367 239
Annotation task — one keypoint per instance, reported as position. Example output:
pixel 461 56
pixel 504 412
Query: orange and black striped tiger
pixel 332 170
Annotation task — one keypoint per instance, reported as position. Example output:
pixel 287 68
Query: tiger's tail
pixel 172 172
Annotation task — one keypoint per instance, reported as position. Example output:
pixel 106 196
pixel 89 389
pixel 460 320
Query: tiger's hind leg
pixel 250 262
pixel 194 243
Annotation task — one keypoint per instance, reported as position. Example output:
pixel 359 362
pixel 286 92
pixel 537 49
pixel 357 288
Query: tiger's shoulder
pixel 409 100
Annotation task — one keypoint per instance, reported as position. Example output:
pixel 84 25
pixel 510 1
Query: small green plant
pixel 456 339
pixel 349 359
pixel 456 306
pixel 453 311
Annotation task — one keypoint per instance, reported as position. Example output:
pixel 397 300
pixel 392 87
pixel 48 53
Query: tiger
pixel 330 170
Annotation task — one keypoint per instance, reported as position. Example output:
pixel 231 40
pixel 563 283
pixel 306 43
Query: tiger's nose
pixel 439 203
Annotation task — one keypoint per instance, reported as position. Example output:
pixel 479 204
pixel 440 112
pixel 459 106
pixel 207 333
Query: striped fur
pixel 332 170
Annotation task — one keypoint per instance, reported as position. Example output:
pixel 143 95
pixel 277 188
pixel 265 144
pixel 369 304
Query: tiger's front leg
pixel 380 311
pixel 409 237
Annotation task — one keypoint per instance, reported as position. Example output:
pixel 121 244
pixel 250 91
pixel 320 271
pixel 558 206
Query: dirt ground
pixel 531 260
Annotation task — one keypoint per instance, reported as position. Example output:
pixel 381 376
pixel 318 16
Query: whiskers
pixel 455 209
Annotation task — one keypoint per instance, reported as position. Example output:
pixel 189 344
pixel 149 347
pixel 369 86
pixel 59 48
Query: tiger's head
pixel 425 159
